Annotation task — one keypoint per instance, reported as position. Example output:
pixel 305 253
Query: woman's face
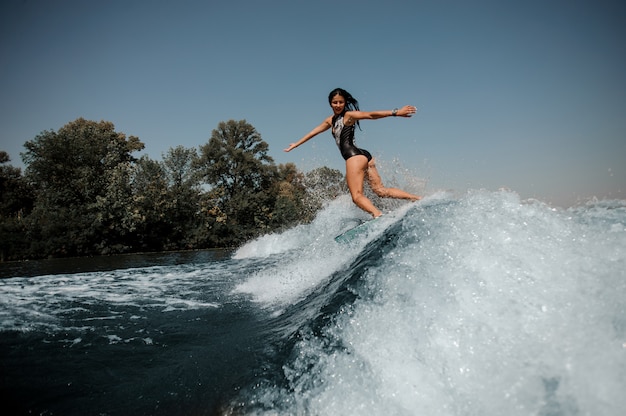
pixel 338 103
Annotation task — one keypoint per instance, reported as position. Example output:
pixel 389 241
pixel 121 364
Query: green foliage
pixel 236 158
pixel 16 195
pixel 73 171
pixel 183 196
pixel 149 185
pixel 83 193
pixel 16 202
pixel 235 162
pixel 74 160
pixel 290 197
pixel 115 214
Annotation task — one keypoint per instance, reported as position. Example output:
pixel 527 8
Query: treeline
pixel 84 193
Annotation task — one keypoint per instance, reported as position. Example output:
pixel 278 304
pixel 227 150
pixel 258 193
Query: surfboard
pixel 354 232
pixel 386 221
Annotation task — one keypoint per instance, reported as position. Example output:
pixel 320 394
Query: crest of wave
pixel 487 306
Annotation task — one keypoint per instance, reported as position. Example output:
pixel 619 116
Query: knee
pixel 381 191
pixel 356 196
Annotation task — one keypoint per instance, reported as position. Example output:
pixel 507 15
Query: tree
pixel 75 159
pixel 70 170
pixel 115 211
pixel 16 196
pixel 150 201
pixel 179 166
pixel 16 202
pixel 290 201
pixel 236 165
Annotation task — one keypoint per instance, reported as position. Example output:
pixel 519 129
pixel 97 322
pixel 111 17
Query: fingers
pixel 409 110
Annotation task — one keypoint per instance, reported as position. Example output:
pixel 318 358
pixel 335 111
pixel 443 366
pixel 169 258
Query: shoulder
pixel 330 120
pixel 351 117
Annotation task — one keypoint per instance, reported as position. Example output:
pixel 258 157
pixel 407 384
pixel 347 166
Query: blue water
pixel 474 304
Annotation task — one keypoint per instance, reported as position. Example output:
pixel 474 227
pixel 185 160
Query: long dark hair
pixel 351 103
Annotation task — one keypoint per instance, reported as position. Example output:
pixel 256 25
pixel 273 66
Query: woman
pixel 359 162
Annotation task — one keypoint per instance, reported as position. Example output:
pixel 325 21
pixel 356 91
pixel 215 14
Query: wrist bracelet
pixel 394 112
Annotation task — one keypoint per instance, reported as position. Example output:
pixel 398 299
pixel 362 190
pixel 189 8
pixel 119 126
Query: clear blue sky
pixel 528 95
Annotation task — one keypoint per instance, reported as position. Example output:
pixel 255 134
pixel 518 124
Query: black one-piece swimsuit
pixel 344 137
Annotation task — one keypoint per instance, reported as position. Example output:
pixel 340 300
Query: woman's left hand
pixel 407 111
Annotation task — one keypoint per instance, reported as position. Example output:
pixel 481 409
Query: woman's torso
pixel 344 137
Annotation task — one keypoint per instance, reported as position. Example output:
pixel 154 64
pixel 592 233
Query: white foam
pixel 490 306
pixel 40 302
pixel 302 267
pixel 327 223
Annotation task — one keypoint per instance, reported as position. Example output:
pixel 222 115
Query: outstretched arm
pixel 352 116
pixel 317 130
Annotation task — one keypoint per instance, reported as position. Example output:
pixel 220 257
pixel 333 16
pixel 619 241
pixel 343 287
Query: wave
pixel 480 304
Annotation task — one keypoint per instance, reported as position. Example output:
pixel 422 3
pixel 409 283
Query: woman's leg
pixel 377 186
pixel 356 168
